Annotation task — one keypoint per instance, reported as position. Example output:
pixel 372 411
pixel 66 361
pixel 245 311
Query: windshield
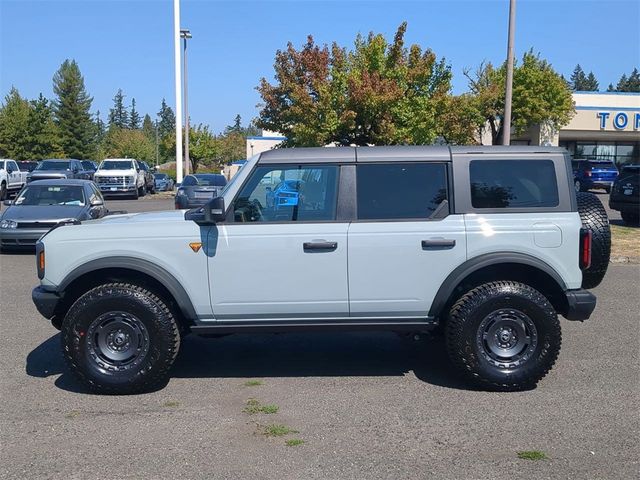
pixel 70 195
pixel 88 165
pixel 211 180
pixel 53 165
pixel 116 165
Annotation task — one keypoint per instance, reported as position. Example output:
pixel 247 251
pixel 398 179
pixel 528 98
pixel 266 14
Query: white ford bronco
pixel 486 244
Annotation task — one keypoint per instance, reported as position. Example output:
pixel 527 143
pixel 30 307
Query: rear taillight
pixel 587 172
pixel 585 248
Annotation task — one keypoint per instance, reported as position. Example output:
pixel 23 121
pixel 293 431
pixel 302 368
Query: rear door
pixel 274 261
pixel 404 242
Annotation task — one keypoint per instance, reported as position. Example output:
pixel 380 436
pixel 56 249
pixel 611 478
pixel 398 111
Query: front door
pixel 282 255
pixel 404 242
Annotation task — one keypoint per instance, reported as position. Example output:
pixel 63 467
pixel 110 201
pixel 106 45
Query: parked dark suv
pixel 55 169
pixel 588 174
pixel 625 194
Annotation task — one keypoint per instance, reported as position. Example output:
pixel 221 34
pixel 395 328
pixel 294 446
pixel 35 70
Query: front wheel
pixel 120 338
pixel 503 336
pixel 3 191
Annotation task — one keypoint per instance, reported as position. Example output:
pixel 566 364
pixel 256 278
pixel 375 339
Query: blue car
pixel 588 174
pixel 285 194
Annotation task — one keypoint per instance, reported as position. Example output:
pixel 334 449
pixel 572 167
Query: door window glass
pixel 400 190
pixel 288 194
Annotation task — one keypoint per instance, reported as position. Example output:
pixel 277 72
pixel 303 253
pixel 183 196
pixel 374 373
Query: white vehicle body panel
pixel 550 237
pixel 261 271
pixel 14 180
pixel 391 274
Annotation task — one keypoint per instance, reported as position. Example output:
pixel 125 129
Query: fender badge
pixel 195 246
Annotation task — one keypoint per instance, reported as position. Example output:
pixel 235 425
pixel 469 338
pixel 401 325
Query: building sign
pixel 619 120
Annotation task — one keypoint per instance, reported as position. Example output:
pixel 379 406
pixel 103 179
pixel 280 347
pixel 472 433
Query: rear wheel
pixel 3 191
pixel 503 336
pixel 631 217
pixel 143 190
pixel 120 338
pixel 594 217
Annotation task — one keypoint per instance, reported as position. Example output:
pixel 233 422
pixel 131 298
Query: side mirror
pixel 211 212
pixel 96 202
pixel 7 203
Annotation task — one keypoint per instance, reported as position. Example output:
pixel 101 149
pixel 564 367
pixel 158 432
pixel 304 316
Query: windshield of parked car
pixel 211 180
pixel 53 165
pixel 88 165
pixel 69 195
pixel 116 165
pixel 160 176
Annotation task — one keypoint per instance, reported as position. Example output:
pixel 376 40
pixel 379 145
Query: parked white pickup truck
pixel 11 178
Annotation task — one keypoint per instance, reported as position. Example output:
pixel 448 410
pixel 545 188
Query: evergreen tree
pixel 236 127
pixel 578 78
pixel 631 83
pixel 622 83
pixel 118 115
pixel 611 88
pixel 591 83
pixel 100 128
pixel 42 133
pixel 71 111
pixel 14 123
pixel 134 116
pixel 167 122
pixel 149 128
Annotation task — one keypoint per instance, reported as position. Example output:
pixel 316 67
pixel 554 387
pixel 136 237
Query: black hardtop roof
pixel 406 153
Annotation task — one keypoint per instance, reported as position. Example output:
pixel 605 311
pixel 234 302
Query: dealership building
pixel 606 126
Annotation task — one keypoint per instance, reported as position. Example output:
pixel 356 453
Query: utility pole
pixel 157 146
pixel 176 50
pixel 186 34
pixel 506 121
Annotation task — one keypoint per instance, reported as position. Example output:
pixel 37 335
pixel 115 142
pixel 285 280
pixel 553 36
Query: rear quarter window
pixel 513 184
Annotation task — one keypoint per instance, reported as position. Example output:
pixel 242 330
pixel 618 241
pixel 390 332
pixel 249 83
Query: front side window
pixel 513 183
pixel 400 190
pixel 292 193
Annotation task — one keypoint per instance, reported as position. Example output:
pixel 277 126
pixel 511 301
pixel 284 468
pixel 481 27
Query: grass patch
pixel 276 430
pixel 532 455
pixel 253 383
pixel 72 414
pixel 625 242
pixel 171 403
pixel 294 442
pixel 254 406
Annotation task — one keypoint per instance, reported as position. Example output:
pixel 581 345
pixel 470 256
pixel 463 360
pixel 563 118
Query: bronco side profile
pixel 486 244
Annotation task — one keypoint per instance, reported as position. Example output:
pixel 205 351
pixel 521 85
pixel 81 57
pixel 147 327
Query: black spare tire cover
pixel 594 217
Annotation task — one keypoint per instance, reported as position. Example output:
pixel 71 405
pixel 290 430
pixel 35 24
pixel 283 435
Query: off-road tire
pixel 143 191
pixel 3 191
pixel 594 217
pixel 631 217
pixel 81 339
pixel 468 348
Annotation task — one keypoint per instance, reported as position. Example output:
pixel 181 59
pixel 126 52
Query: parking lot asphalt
pixel 366 405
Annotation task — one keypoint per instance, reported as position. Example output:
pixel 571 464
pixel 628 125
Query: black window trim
pixel 448 182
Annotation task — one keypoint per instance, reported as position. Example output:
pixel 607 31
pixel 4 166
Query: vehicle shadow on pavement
pixel 287 355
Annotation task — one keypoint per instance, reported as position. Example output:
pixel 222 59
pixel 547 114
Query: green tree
pixel 71 111
pixel 630 83
pixel 100 128
pixel 591 83
pixel 42 133
pixel 377 93
pixel 118 115
pixel 578 78
pixel 167 120
pixel 134 116
pixel 540 96
pixel 15 114
pixel 149 128
pixel 236 127
pixel 124 143
pixel 203 146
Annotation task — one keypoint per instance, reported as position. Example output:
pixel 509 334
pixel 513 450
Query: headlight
pixel 131 179
pixel 181 191
pixel 10 224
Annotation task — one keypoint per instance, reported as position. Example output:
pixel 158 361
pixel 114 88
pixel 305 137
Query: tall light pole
pixel 506 122
pixel 176 49
pixel 186 34
pixel 157 146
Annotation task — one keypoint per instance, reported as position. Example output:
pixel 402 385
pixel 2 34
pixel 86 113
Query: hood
pixel 47 213
pixel 115 173
pixel 144 217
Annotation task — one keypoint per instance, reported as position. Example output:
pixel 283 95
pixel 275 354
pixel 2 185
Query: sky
pixel 129 45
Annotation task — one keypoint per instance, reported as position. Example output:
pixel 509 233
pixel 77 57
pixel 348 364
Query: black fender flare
pixel 482 261
pixel 140 265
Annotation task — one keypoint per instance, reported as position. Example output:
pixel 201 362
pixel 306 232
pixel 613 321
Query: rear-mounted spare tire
pixel 594 217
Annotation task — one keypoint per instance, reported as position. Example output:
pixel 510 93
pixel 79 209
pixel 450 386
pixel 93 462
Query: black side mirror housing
pixel 210 213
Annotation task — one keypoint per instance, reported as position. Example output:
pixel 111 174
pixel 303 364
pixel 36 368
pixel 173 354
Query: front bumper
pixel 20 237
pixel 118 190
pixel 45 301
pixel 580 304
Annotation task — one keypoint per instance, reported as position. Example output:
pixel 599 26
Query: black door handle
pixel 320 245
pixel 438 243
